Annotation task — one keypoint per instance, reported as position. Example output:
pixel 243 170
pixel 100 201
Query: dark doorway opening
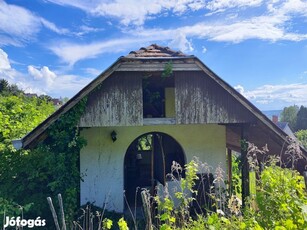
pixel 148 160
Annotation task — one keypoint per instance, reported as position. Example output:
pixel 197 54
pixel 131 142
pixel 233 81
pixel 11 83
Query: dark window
pixel 155 94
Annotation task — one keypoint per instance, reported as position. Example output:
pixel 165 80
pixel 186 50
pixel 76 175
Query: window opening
pixel 158 96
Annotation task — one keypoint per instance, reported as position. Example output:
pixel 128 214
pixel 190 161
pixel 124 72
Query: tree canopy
pixel 7 89
pixel 19 114
pixel 289 114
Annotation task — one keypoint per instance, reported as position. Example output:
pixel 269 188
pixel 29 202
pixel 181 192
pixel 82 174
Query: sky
pixel 56 47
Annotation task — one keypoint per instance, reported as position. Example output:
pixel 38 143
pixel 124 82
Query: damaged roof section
pixel 157 51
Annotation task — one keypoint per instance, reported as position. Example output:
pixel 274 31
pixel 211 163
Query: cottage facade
pixel 150 108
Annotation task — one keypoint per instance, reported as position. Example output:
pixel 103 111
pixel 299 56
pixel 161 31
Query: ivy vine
pixel 64 144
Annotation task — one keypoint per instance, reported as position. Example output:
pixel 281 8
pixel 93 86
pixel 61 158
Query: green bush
pixel 281 199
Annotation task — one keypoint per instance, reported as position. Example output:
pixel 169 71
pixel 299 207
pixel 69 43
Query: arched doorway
pixel 147 161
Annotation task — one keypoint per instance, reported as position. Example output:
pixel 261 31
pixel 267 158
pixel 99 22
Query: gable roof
pixel 153 52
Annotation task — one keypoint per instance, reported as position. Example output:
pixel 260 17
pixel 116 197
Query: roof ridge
pixel 155 50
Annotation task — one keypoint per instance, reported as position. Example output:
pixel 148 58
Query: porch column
pixel 245 166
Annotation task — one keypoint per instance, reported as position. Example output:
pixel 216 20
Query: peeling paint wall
pixel 102 161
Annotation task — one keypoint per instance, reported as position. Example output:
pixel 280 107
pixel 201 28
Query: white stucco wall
pixel 102 161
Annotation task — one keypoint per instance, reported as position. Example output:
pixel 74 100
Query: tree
pixel 301 121
pixel 45 98
pixel 3 85
pixel 302 137
pixel 289 114
pixel 19 115
pixel 7 89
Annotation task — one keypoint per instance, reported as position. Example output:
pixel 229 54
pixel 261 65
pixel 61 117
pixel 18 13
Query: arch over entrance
pixel 147 161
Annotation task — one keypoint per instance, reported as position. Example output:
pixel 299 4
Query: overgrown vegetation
pixel 280 200
pixel 27 177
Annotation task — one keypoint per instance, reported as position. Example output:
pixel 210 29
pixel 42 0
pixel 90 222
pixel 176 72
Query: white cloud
pixel 56 84
pixel 87 29
pixel 133 12
pixel 51 26
pixel 269 28
pixel 81 4
pixel 6 71
pixel 288 7
pixel 181 42
pixel 92 71
pixel 220 5
pixel 240 89
pixel 19 25
pixel 271 94
pixel 42 74
pixel 4 61
pixel 41 80
pixel 72 52
pixel 136 12
pixel 273 25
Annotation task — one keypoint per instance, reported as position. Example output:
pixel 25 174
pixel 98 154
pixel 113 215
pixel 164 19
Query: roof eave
pixel 247 104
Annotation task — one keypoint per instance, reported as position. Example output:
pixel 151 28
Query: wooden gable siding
pixel 200 100
pixel 159 65
pixel 117 102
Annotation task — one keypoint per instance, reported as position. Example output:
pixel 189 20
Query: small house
pixel 150 108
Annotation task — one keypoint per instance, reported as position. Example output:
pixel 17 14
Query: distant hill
pixel 270 113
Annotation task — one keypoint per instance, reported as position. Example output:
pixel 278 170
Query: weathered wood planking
pixel 200 100
pixel 158 66
pixel 118 102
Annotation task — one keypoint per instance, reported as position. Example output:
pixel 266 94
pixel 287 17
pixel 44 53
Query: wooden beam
pixel 160 66
pixel 159 121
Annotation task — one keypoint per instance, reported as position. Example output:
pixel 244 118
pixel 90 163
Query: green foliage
pixel 19 115
pixel 168 70
pixel 8 90
pixel 236 185
pixel 302 137
pixel 281 199
pixel 289 114
pixel 280 202
pixel 122 224
pixel 10 208
pixel 20 171
pixel 169 215
pixel 29 176
pixel 107 223
pixel 63 145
